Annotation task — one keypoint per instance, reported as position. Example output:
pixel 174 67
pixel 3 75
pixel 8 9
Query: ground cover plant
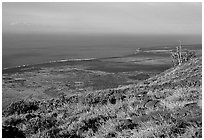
pixel 168 105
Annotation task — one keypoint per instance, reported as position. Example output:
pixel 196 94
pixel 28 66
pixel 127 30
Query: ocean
pixel 26 49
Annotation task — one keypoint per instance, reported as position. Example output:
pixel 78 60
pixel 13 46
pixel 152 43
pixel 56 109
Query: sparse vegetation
pixel 181 56
pixel 164 106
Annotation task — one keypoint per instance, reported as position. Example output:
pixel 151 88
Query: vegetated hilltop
pixel 167 105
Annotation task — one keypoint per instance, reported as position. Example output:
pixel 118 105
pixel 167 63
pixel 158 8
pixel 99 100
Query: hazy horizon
pixel 42 31
pixel 181 18
pixel 35 49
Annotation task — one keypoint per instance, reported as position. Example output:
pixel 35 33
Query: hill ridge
pixel 166 105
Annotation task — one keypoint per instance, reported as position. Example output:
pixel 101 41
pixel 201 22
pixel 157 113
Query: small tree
pixel 181 56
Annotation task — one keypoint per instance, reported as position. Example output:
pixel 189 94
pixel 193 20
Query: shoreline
pixel 54 61
pixel 37 66
pixel 7 70
pixel 154 51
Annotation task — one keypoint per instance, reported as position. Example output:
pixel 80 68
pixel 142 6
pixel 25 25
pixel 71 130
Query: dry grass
pixel 118 112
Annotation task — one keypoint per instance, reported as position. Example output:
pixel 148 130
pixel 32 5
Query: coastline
pixel 37 66
pixel 150 50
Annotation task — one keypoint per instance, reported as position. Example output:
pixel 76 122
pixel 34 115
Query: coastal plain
pixel 51 80
pixel 92 98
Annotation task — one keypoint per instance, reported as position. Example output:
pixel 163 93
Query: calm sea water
pixel 34 49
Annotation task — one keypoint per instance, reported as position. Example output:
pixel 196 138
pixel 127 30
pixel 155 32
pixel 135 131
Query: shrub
pixel 40 124
pixel 181 56
pixel 14 120
pixel 22 107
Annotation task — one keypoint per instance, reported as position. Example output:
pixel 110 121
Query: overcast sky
pixel 86 18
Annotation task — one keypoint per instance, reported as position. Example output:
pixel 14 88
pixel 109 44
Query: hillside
pixel 166 105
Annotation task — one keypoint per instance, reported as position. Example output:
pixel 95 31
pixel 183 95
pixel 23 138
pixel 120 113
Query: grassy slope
pixel 167 105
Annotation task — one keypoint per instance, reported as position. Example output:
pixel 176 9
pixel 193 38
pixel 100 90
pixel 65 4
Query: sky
pixel 102 18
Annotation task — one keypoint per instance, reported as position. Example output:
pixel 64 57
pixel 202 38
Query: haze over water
pixel 34 49
pixel 40 32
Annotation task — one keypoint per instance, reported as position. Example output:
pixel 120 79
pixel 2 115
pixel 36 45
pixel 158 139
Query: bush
pixel 22 107
pixel 181 56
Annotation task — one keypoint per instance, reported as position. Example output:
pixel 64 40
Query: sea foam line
pixel 54 61
pixel 66 60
